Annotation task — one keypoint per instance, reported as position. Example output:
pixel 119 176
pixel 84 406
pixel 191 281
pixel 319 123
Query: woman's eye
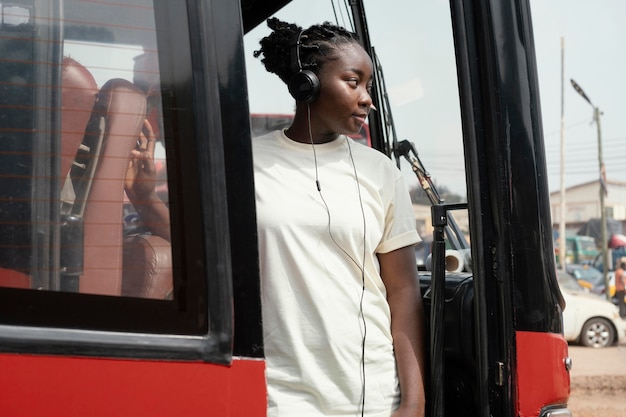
pixel 353 82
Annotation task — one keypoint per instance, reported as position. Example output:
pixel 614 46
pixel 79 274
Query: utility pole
pixel 602 181
pixel 603 189
pixel 562 219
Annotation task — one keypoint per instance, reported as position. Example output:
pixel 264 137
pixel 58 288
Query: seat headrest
pixel 78 96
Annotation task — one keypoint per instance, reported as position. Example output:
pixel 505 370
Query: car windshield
pixel 568 282
pixel 590 275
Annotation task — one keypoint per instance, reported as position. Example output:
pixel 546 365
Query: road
pixel 593 362
pixel 598 379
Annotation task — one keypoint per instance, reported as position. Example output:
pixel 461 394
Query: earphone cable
pixel 317 177
pixel 356 176
pixel 360 267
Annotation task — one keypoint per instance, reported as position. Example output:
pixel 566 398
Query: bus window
pixel 79 166
pixel 96 102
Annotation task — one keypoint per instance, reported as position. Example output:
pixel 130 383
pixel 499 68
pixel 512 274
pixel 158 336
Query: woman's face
pixel 344 100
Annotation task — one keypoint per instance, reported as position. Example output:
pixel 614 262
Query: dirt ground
pixel 598 381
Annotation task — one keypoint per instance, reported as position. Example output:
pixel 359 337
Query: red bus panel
pixel 62 386
pixel 542 376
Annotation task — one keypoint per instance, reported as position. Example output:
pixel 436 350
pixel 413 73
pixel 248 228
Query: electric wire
pixel 340 19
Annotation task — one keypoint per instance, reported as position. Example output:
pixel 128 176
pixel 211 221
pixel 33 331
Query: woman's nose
pixel 365 100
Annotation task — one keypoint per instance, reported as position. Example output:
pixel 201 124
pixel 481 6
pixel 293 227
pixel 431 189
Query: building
pixel 424 224
pixel 582 203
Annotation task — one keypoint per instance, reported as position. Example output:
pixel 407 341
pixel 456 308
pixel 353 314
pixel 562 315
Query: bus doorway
pixel 110 309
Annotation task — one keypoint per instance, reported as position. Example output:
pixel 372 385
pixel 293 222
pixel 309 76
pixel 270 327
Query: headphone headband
pixel 296 63
pixel 304 84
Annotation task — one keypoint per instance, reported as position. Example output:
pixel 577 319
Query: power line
pixel 573 125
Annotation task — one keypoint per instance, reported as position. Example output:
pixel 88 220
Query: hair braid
pixel 317 44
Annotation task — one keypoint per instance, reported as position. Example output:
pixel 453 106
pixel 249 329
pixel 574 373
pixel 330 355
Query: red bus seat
pixel 134 266
pixel 122 108
pixel 147 267
pixel 13 279
pixel 98 132
pixel 78 96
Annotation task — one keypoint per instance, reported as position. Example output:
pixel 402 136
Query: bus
pixel 104 311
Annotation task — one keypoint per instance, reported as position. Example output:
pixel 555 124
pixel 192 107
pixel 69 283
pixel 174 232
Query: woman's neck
pixel 303 131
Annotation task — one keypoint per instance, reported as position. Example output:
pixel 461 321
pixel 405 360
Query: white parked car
pixel 589 319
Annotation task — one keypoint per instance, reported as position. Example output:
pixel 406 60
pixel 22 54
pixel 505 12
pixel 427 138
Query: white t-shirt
pixel 311 257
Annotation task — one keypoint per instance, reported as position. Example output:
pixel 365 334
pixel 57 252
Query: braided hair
pixel 317 44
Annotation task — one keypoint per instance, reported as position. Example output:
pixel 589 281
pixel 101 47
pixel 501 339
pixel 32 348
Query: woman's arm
pixel 399 273
pixel 140 185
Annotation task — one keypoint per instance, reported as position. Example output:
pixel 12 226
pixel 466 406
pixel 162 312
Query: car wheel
pixel 597 333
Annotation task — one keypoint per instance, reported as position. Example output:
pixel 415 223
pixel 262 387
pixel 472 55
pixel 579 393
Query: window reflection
pixel 83 178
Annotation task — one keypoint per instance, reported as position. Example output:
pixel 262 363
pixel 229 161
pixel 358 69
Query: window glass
pixel 83 186
pixel 97 100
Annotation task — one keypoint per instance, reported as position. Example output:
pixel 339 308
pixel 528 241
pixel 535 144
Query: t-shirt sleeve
pixel 400 228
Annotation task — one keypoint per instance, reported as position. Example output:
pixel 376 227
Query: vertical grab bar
pixel 439 213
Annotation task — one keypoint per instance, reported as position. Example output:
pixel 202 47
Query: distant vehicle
pixel 611 278
pixel 579 249
pixel 588 319
pixel 588 277
pixel 617 251
pixel 616 254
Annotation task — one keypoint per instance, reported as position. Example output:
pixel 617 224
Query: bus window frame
pixel 203 242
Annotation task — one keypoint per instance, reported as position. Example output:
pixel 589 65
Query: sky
pixel 413 41
pixel 593 36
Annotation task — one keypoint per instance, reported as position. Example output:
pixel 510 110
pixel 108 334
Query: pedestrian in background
pixel 620 285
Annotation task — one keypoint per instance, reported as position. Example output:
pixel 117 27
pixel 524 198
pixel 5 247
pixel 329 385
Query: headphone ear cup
pixel 304 86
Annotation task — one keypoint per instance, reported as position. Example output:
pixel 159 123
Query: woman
pixel 342 312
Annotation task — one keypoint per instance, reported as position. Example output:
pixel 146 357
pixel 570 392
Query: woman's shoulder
pixel 266 142
pixel 271 136
pixel 372 156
